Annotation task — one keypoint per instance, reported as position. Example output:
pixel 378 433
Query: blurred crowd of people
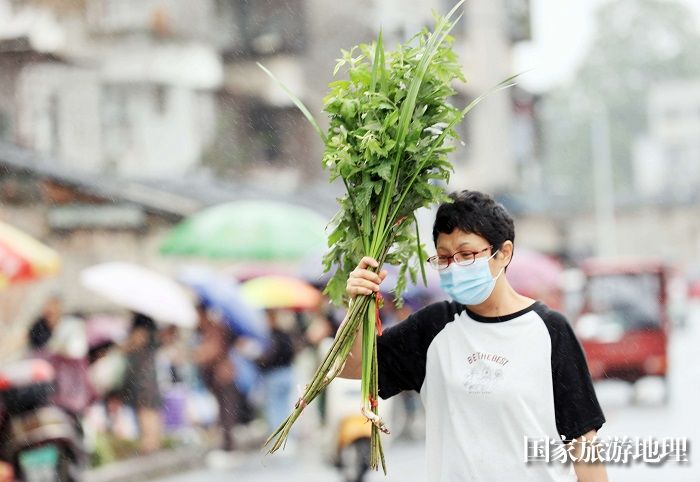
pixel 149 380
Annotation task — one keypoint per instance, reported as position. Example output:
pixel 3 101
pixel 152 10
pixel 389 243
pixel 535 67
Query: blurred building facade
pixel 667 158
pixel 501 134
pixel 162 87
pixel 121 88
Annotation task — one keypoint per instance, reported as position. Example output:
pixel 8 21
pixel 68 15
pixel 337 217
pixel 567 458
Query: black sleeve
pixel 576 406
pixel 402 349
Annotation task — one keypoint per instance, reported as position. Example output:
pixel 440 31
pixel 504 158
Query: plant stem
pixel 345 336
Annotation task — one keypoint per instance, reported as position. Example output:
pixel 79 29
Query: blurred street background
pixel 163 205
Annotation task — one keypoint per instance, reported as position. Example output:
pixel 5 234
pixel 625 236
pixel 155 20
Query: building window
pixel 263 27
pixel 267 132
pixel 518 20
pixel 115 125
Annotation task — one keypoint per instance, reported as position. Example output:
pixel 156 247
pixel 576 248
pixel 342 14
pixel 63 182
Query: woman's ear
pixel 506 252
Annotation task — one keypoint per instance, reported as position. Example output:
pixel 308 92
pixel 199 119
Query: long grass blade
pixel 419 252
pixel 408 106
pixel 300 105
pixel 504 84
pixel 377 64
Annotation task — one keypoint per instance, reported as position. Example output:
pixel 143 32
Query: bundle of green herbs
pixel 391 129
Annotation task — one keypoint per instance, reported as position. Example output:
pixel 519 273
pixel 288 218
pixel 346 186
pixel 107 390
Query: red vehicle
pixel 624 323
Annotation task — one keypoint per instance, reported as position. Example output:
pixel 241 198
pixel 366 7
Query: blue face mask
pixel 469 285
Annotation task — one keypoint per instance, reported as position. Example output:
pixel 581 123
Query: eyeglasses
pixel 462 258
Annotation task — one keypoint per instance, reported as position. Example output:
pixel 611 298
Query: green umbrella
pixel 248 230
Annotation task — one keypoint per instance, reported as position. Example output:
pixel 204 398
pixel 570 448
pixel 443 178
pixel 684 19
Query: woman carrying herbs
pixel 495 370
pixel 498 373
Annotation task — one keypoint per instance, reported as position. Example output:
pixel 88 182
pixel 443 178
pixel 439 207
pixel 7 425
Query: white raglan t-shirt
pixel 486 384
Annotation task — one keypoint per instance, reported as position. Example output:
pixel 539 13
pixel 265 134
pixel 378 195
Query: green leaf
pixel 362 196
pixel 384 171
pixel 336 235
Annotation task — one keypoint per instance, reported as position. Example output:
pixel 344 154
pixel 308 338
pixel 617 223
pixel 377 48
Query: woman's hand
pixel 363 281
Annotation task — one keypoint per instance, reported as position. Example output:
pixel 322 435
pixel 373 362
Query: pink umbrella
pixel 534 274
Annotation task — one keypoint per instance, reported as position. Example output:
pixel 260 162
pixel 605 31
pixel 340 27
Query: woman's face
pixel 461 241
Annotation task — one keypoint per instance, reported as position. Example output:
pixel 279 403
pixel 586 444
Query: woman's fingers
pixel 367 262
pixel 355 291
pixel 359 286
pixel 366 274
pixel 363 281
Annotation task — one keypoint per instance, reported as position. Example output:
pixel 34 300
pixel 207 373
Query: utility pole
pixel 606 236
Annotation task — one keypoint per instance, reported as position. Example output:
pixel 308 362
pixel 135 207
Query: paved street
pixel 647 417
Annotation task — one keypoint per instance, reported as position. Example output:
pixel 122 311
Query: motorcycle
pixel 351 447
pixel 42 399
pixel 348 431
pixel 39 440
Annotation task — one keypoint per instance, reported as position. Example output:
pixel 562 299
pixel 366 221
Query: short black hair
pixel 39 334
pixel 478 213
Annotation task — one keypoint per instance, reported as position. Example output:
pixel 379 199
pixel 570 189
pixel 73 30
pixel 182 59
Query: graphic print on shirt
pixel 485 372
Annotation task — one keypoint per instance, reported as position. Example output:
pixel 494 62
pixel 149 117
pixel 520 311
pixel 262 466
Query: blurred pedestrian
pixel 171 357
pixel 41 330
pixel 323 327
pixel 218 371
pixel 172 363
pixel 67 351
pixel 120 421
pixel 140 389
pixel 278 377
pixel 323 324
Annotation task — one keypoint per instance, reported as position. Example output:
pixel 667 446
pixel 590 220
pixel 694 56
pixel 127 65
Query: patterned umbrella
pixel 280 292
pixel 23 258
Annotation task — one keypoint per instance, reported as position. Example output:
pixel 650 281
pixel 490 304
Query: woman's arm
pixel 588 471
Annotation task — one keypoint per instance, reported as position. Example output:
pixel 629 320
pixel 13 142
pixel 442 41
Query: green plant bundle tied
pixel 389 126
pixel 390 131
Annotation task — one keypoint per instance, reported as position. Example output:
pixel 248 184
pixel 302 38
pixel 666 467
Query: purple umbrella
pixel 223 294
